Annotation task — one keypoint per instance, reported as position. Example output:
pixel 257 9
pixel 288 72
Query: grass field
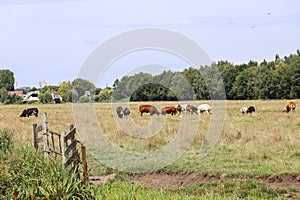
pixel 264 143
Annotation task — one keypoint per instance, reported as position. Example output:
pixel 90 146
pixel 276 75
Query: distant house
pixel 17 93
pixel 25 88
pixel 87 93
pixel 56 97
pixel 31 96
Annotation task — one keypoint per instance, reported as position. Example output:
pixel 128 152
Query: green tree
pixel 106 94
pixel 295 65
pixel 245 85
pixel 96 91
pixel 84 99
pixel 63 89
pixel 72 96
pixel 228 73
pixel 48 88
pixel 45 97
pixel 7 79
pixel 82 85
pixel 3 94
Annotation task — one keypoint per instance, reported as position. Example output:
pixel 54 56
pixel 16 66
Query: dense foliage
pixel 7 79
pixel 278 79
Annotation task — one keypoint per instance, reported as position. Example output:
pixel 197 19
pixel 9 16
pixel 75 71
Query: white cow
pixel 183 107
pixel 204 108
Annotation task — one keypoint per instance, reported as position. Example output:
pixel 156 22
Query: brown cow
pixel 148 109
pixel 192 109
pixel 119 111
pixel 290 106
pixel 169 110
pixel 179 109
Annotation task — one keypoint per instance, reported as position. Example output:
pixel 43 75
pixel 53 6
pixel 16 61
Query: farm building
pixel 56 97
pixel 31 96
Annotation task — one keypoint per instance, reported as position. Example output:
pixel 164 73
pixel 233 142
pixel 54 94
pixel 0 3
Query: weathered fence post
pixel 63 148
pixel 84 162
pixel 35 143
pixel 45 134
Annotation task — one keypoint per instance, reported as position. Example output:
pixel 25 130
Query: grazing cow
pixel 251 109
pixel 126 112
pixel 119 111
pixel 183 107
pixel 30 111
pixel 179 109
pixel 192 109
pixel 290 106
pixel 204 108
pixel 244 110
pixel 148 109
pixel 169 110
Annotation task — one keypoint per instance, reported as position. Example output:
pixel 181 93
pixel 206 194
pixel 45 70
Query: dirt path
pixel 173 180
pixel 180 179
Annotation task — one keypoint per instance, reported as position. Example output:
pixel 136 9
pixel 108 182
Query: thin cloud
pixel 90 42
pixel 9 2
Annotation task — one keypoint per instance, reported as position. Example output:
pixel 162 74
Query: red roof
pixel 18 93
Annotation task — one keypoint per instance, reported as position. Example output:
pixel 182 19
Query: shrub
pixel 84 99
pixel 6 102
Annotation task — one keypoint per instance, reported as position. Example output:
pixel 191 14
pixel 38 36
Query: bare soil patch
pixel 154 180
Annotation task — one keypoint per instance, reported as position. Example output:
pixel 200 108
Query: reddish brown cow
pixel 169 110
pixel 119 111
pixel 290 106
pixel 148 109
pixel 192 109
pixel 179 109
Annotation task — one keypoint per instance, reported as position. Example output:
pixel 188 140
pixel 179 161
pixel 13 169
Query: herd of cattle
pixel 172 110
pixel 188 108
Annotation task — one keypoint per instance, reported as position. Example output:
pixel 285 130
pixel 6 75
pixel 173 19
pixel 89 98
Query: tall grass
pixel 25 174
pixel 261 143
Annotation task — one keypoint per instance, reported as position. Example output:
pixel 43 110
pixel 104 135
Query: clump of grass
pixel 6 141
pixel 25 174
pixel 231 188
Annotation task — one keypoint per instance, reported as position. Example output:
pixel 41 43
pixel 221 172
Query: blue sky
pixel 50 40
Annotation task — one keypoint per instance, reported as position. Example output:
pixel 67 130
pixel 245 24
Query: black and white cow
pixel 30 111
pixel 250 109
pixel 244 109
pixel 204 108
pixel 126 112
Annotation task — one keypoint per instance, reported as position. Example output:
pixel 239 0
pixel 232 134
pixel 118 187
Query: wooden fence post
pixel 35 143
pixel 45 134
pixel 63 148
pixel 84 162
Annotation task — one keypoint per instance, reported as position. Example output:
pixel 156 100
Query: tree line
pixel 277 79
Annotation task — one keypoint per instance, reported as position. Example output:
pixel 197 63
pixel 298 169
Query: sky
pixel 51 39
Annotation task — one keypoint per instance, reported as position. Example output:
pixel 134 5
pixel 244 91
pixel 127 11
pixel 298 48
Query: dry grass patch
pixel 264 142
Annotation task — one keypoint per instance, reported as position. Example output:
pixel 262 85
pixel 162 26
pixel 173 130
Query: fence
pixel 66 148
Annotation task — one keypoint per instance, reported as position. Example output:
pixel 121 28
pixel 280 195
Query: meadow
pixel 257 145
